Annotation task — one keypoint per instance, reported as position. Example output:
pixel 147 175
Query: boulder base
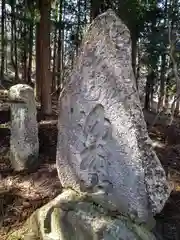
pixel 71 216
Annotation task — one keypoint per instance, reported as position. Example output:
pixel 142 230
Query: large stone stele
pixel 24 143
pixel 103 144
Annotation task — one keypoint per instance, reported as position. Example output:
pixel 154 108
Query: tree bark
pixel 95 9
pixel 14 56
pixel 31 36
pixel 149 86
pixel 45 75
pixel 54 61
pixel 24 58
pixel 162 83
pixel 38 63
pixel 2 40
pixel 60 49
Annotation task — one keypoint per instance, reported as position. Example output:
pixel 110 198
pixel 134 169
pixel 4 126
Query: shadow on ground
pixel 22 193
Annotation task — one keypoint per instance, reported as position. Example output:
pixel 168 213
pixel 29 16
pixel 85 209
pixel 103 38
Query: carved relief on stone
pixel 93 157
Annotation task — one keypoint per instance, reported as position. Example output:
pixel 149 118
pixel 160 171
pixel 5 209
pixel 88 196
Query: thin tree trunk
pixel 5 50
pixel 147 96
pixel 46 77
pixel 60 40
pixel 167 94
pixel 2 40
pixel 163 68
pixel 78 27
pixel 24 63
pixel 62 59
pixel 16 54
pixel 152 93
pixel 162 84
pixel 149 86
pixel 12 38
pixel 94 9
pixel 134 51
pixel 38 62
pixel 176 112
pixel 138 64
pixel 59 69
pixel 85 11
pixel 15 59
pixel 29 71
pixel 54 61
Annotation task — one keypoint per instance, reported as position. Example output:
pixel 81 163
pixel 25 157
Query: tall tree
pixel 43 56
pixel 2 38
pixel 60 46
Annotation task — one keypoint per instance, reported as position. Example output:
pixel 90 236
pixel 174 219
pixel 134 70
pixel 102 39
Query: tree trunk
pixel 45 75
pixel 12 39
pixel 38 63
pixel 59 69
pixel 29 71
pixel 24 58
pixel 54 61
pixel 134 40
pixel 14 56
pixel 78 27
pixel 95 9
pixel 176 112
pixel 60 47
pixel 5 50
pixel 162 84
pixel 2 40
pixel 138 64
pixel 85 11
pixel 149 86
pixel 167 94
pixel 147 96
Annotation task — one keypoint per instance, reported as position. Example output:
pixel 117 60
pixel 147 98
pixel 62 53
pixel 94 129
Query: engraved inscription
pixel 94 157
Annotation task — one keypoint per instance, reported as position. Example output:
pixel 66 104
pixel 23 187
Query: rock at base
pixel 73 217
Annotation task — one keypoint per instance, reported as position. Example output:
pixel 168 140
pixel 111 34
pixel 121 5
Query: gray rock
pixel 24 143
pixel 103 144
pixel 71 216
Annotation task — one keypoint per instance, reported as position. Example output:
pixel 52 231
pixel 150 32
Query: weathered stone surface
pixel 24 144
pixel 103 145
pixel 71 216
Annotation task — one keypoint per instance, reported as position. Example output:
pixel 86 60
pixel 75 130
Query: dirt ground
pixel 22 193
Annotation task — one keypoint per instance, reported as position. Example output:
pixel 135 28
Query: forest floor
pixel 21 193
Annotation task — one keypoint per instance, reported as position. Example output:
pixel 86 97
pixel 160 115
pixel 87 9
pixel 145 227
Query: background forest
pixel 40 40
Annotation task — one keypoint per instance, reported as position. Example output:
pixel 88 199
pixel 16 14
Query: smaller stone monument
pixel 24 143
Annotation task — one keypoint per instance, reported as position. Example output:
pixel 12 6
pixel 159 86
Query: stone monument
pixel 113 181
pixel 24 143
pixel 103 145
